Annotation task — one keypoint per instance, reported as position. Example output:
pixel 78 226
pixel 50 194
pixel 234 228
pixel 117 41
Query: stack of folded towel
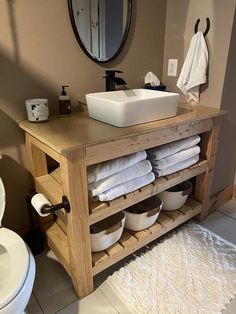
pixel 171 157
pixel 119 176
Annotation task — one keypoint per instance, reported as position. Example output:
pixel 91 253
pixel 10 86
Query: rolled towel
pixel 129 173
pixel 178 166
pixel 107 168
pixel 126 187
pixel 169 149
pixel 173 159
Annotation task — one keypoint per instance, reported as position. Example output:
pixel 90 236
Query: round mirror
pixel 101 26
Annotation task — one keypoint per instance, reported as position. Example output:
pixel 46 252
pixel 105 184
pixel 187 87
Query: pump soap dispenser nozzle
pixel 64 101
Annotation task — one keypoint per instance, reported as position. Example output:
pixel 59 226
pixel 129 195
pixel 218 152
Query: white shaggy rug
pixel 191 271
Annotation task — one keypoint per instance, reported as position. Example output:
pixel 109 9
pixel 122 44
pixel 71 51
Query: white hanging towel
pixel 137 170
pixel 193 72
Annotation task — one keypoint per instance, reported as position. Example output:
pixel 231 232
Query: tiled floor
pixel 53 291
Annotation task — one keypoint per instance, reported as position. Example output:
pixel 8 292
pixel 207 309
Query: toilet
pixel 17 267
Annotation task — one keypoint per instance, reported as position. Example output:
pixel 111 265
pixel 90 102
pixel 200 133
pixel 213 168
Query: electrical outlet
pixel 172 67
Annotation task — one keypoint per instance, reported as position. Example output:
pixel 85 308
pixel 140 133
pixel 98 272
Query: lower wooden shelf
pixel 129 242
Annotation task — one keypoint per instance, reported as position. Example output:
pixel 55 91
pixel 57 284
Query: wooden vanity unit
pixel 75 142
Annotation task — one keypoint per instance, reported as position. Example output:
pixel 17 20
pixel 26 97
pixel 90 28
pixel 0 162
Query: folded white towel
pixel 178 166
pixel 129 173
pixel 169 149
pixel 107 168
pixel 193 72
pixel 126 187
pixel 177 157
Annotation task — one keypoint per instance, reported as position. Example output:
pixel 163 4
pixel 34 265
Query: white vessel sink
pixel 129 107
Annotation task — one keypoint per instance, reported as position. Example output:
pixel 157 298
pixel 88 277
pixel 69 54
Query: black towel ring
pixel 208 22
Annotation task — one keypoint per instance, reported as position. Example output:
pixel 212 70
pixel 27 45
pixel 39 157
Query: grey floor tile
pixel 95 303
pixel 229 209
pixel 222 225
pixel 231 308
pixel 33 306
pixel 52 288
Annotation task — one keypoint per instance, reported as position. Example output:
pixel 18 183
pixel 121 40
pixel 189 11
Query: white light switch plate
pixel 172 67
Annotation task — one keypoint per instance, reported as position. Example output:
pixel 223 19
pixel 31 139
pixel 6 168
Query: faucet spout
pixel 112 80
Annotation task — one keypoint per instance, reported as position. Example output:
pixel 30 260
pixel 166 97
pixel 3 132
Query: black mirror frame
pixel 81 43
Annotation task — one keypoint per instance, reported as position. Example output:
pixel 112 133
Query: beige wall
pixel 181 16
pixel 38 53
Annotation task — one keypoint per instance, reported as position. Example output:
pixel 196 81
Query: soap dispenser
pixel 64 101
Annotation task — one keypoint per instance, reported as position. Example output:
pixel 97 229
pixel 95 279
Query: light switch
pixel 172 67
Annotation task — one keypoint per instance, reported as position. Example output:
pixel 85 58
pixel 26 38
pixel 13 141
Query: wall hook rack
pixel 208 23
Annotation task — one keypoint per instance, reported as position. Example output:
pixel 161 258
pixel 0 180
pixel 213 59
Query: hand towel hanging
pixel 193 72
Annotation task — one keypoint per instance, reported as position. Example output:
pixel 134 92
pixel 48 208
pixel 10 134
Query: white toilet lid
pixel 2 200
pixel 14 250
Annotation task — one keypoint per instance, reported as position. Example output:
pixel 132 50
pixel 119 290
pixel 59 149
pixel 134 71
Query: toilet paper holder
pixel 47 209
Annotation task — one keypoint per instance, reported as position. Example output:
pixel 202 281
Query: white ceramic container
pixel 106 232
pixel 176 196
pixel 130 107
pixel 143 214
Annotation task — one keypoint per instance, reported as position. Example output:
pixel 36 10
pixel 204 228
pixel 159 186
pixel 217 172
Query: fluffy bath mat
pixel 191 271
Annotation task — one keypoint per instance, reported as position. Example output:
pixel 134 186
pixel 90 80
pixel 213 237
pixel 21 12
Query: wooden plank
pixel 161 184
pixel 57 241
pixel 173 214
pixel 164 220
pixel 140 235
pixel 46 149
pixel 99 257
pixel 155 228
pixel 114 250
pixel 113 149
pixel 36 158
pixel 204 181
pixel 145 240
pixel 127 239
pixel 74 186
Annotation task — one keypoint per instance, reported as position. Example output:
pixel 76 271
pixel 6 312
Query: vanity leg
pixel 209 143
pixel 74 185
pixel 36 158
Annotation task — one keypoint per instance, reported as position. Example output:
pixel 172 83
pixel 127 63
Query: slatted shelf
pixel 50 186
pixel 131 241
pixel 101 210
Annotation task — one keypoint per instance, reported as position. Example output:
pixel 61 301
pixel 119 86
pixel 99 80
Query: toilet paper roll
pixel 38 201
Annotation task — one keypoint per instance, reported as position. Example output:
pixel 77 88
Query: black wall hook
pixel 208 22
pixel 47 209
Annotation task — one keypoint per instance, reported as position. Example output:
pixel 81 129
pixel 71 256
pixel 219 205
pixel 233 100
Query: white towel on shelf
pixel 107 168
pixel 176 167
pixel 169 149
pixel 126 187
pixel 193 72
pixel 137 170
pixel 177 157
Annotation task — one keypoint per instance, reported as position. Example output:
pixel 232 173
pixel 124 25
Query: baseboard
pixel 221 198
pixel 234 191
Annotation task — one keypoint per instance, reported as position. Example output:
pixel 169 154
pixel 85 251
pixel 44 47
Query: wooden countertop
pixel 78 130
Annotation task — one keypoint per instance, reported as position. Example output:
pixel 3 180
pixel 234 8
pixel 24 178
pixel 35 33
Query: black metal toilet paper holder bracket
pixel 48 209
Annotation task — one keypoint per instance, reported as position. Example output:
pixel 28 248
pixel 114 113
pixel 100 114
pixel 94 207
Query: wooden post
pixel 36 158
pixel 209 143
pixel 74 185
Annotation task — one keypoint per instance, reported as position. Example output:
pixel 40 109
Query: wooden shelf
pixel 50 186
pixel 101 210
pixel 131 241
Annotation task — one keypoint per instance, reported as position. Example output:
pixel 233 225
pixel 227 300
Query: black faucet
pixel 112 80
